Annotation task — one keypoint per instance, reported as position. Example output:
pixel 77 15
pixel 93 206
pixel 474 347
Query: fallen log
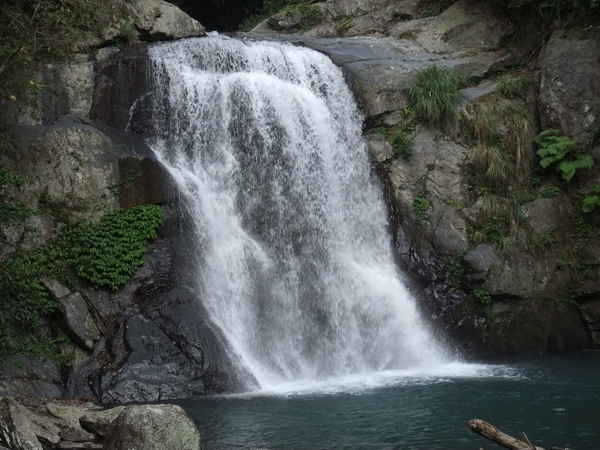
pixel 488 431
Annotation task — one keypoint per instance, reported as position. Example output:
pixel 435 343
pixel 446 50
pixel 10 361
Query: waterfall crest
pixel 294 260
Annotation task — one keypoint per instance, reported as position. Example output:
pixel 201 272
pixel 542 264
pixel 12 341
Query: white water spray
pixel 294 261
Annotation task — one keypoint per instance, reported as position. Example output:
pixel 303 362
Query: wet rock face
pixel 158 344
pixel 120 82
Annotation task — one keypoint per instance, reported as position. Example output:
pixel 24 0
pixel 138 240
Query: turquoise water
pixel 555 400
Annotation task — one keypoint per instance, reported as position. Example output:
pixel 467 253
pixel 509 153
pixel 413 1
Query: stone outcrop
pixel 87 426
pixel 569 88
pixel 145 20
pixel 153 427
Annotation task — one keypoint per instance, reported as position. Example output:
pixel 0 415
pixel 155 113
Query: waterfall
pixel 294 262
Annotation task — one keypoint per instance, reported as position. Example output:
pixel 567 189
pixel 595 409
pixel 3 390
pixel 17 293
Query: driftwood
pixel 492 433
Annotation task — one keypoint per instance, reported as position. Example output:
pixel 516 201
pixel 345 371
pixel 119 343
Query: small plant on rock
pixel 435 93
pixel 591 200
pixel 562 153
pixel 402 145
pixel 420 208
pixel 483 296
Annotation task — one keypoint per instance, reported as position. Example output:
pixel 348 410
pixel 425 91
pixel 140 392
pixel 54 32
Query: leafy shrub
pixel 307 11
pixel 420 208
pixel 23 303
pixel 434 93
pixel 591 200
pixel 11 209
pixel 402 145
pixel 483 296
pixel 562 153
pixel 457 268
pixel 108 252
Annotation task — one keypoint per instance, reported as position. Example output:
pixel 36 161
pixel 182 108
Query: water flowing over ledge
pixel 293 259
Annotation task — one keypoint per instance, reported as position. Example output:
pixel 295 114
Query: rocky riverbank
pixel 36 424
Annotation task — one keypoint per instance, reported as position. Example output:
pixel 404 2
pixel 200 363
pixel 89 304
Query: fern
pixel 569 167
pixel 591 200
pixel 561 152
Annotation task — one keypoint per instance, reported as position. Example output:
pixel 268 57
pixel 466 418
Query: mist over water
pixel 294 260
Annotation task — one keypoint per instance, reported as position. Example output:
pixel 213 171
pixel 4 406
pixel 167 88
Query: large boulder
pixel 100 422
pixel 153 427
pixel 67 418
pixel 569 98
pixel 20 428
pixel 124 21
pixel 67 167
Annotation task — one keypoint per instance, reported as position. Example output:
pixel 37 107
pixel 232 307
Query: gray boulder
pixel 159 20
pixel 569 98
pixel 67 419
pixel 69 166
pixel 153 427
pixel 23 429
pixel 145 20
pixel 78 321
pixel 544 214
pixel 100 422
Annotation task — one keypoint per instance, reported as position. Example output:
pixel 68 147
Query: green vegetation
pixel 108 252
pixel 483 296
pixel 434 93
pixel 548 239
pixel 24 302
pixel 36 32
pixel 420 208
pixel 118 188
pixel 550 192
pixel 402 145
pixel 591 199
pixel 562 153
pixel 569 13
pixel 306 11
pixel 11 209
pixel 457 269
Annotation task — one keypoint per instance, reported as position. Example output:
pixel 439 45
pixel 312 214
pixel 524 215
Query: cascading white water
pixel 294 261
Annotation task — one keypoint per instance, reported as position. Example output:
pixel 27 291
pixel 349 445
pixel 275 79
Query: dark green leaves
pixel 562 153
pixel 108 252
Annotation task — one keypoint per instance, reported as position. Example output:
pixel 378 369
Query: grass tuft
pixel 435 93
